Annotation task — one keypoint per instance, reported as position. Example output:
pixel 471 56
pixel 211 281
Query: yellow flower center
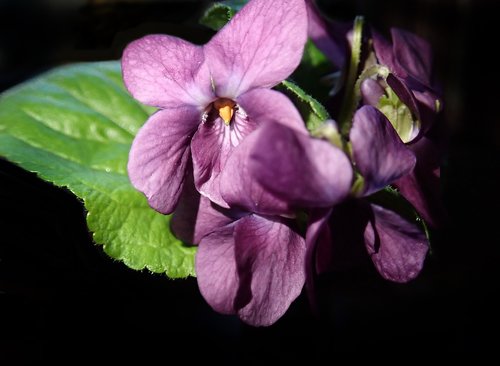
pixel 226 109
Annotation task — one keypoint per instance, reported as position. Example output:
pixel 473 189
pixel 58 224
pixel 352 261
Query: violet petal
pixel 422 186
pixel 270 260
pixel 413 54
pixel 317 237
pixel 216 270
pixel 259 47
pixel 166 72
pixel 371 91
pixel 305 171
pixel 239 187
pixel 397 247
pixel 211 146
pixel 378 152
pixel 160 154
pixel 269 105
pixel 327 35
pixel 195 216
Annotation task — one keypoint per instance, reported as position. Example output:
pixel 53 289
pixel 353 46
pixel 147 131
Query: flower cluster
pixel 268 203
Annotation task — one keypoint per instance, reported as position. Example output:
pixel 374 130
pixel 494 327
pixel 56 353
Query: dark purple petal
pixel 216 271
pixel 263 105
pixel 397 247
pixel 195 216
pixel 238 185
pixel 317 236
pixel 422 186
pixel 305 171
pixel 378 152
pixel 211 146
pixel 159 156
pixel 371 91
pixel 167 72
pixel 413 54
pixel 329 37
pixel 407 96
pixel 384 52
pixel 404 93
pixel 270 261
pixel 259 47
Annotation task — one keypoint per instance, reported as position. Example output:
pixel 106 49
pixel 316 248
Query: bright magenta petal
pixel 378 152
pixel 259 47
pixel 166 72
pixel 397 247
pixel 160 154
pixel 270 260
pixel 216 270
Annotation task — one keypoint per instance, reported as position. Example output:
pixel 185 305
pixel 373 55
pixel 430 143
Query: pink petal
pixel 167 72
pixel 259 47
pixel 159 156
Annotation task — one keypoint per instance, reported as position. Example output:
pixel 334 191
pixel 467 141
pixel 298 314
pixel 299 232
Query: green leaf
pixel 399 115
pixel 217 15
pixel 313 112
pixel 73 127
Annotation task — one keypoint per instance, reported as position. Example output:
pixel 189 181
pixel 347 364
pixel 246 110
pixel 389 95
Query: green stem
pixel 346 109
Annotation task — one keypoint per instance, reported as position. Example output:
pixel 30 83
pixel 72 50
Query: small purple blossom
pixel 409 61
pixel 210 97
pixel 396 246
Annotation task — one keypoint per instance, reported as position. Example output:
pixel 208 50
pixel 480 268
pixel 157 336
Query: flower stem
pixel 347 109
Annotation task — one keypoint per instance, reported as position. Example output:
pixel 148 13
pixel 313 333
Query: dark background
pixel 61 298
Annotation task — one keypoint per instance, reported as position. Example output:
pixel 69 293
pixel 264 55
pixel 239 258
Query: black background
pixel 61 298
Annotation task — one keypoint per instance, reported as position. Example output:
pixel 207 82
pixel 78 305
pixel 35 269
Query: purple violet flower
pixel 251 259
pixel 396 246
pixel 210 97
pixel 247 264
pixel 409 61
